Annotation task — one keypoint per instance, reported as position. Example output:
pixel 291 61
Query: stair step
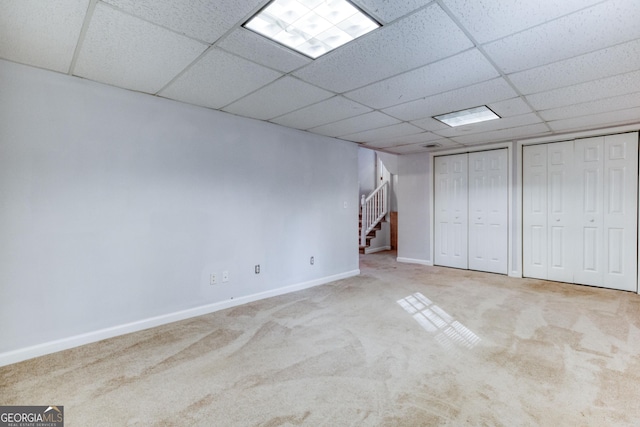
pixel 371 235
pixel 377 227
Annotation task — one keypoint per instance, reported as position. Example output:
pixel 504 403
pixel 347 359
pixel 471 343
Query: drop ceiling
pixel 546 67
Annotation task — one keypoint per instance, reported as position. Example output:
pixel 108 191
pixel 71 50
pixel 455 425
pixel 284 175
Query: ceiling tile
pixel 492 125
pixel 602 63
pixel 204 20
pixel 393 131
pixel 584 92
pixel 467 97
pixel 280 97
pixel 489 20
pixel 611 118
pixel 372 120
pixel 423 138
pixel 422 38
pixel 603 25
pixel 218 79
pixel 429 124
pixel 420 148
pixel 331 110
pixel 594 107
pixel 127 52
pixel 510 107
pixel 387 10
pixel 259 49
pixel 576 62
pixel 41 33
pixel 504 135
pixel 408 149
pixel 438 77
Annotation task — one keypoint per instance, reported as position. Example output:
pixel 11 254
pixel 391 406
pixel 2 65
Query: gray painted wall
pixel 366 170
pixel 414 223
pixel 116 206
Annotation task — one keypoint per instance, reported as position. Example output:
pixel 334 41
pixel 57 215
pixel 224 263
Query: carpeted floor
pixel 399 345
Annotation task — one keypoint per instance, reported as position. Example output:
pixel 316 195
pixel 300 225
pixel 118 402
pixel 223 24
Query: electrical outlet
pixel 312 260
pixel 257 268
pixel 225 276
pixel 213 279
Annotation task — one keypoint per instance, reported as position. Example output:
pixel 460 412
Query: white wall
pixel 116 206
pixel 414 222
pixel 366 171
pixel 390 162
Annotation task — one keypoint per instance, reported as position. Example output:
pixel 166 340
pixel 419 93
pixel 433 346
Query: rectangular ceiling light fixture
pixel 467 117
pixel 311 27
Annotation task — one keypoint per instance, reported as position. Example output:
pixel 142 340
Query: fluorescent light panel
pixel 467 117
pixel 311 27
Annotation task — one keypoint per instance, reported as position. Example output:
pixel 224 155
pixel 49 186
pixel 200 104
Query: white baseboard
pixel 22 354
pixel 415 261
pixel 379 249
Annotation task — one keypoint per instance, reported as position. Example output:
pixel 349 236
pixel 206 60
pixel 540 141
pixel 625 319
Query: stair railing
pixel 374 208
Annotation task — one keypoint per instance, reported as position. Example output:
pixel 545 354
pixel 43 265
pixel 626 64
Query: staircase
pixel 373 212
pixel 370 235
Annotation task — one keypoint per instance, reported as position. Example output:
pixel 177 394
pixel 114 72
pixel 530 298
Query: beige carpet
pixel 400 345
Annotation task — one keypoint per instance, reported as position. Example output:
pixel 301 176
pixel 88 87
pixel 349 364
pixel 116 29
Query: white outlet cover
pixel 225 276
pixel 213 279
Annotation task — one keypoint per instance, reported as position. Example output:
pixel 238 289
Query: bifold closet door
pixel 607 211
pixel 580 211
pixel 451 213
pixel 534 208
pixel 549 204
pixel 561 189
pixel 620 212
pixel 488 205
pixel 471 204
pixel 589 170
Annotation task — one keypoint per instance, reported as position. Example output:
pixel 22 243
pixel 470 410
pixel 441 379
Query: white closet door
pixel 488 198
pixel 534 208
pixel 588 227
pixel 589 164
pixel 621 211
pixel 451 214
pixel 560 191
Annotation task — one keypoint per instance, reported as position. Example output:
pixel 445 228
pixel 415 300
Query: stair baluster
pixel 373 210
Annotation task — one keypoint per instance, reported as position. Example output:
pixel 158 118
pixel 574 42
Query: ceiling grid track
pixel 83 32
pixel 492 62
pixel 544 70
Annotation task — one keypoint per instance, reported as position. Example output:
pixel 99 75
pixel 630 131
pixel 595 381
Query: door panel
pixel 488 199
pixel 589 201
pixel 621 211
pixel 534 209
pixel 561 189
pixel 615 248
pixel 450 200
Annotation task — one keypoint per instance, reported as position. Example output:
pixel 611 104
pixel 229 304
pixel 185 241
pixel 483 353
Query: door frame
pixel 518 187
pixel 511 211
